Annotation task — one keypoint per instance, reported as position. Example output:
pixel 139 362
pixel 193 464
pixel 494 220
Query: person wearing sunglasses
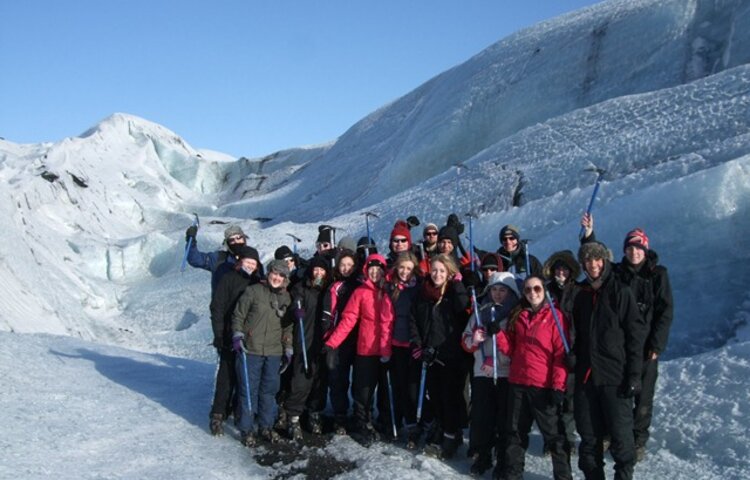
pixel 513 252
pixel 608 353
pixel 537 380
pixel 370 308
pixel 400 242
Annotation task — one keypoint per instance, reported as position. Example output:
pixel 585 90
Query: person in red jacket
pixel 371 308
pixel 537 380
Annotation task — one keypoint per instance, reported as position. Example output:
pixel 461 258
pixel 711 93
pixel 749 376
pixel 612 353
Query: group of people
pixel 435 339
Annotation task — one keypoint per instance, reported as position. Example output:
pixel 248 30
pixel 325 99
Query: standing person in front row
pixel 608 363
pixel 537 379
pixel 261 337
pixel 369 307
pixel 489 399
pixel 439 319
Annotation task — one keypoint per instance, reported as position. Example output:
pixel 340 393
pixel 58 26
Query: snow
pixel 105 344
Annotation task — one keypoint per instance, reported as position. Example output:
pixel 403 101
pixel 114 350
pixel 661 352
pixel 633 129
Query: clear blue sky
pixel 245 77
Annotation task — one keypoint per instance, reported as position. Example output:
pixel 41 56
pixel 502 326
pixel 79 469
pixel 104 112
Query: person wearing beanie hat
pixel 217 262
pixel 400 241
pixel 371 309
pixel 489 383
pixel 608 359
pixel 324 242
pixel 262 335
pixel 347 243
pixel 428 245
pixel 513 252
pixel 307 389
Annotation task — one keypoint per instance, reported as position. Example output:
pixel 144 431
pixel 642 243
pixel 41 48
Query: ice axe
pixel 196 224
pixel 367 222
pixel 471 216
pixel 295 241
pixel 599 174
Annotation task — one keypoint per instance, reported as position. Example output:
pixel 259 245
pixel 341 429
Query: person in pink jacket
pixel 371 308
pixel 537 379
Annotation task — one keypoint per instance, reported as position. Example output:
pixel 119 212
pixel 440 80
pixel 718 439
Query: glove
pixel 416 352
pixel 556 398
pixel 479 336
pixel 471 280
pixel 191 232
pixel 286 360
pixel 299 313
pixel 570 360
pixel 412 221
pixel 238 344
pixel 631 389
pixel 385 359
pixel 493 328
pixel 454 222
pixel 429 355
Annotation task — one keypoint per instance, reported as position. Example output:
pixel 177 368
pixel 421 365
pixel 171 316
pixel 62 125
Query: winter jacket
pixel 535 348
pixel 609 332
pixel 439 325
pixel 309 299
pixel 371 309
pixel 335 301
pixel 516 262
pixel 211 261
pixel 484 353
pixel 402 309
pixel 229 290
pixel 260 317
pixel 653 294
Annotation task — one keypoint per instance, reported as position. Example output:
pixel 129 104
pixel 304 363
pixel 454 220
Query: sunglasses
pixel 509 239
pixel 399 240
pixel 375 263
pixel 535 289
pixel 430 234
pixel 324 245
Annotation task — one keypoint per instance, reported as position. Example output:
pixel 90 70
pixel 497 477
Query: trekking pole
pixel 477 319
pixel 196 224
pixel 390 400
pixel 247 382
pixel 557 321
pixel 422 381
pixel 528 260
pixel 599 174
pixel 295 241
pixel 302 333
pixel 471 241
pixel 494 351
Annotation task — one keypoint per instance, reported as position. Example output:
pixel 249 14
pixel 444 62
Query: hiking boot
pixel 249 440
pixel 450 445
pixel 294 430
pixel 481 464
pixel 269 435
pixel 217 424
pixel 605 444
pixel 315 423
pixel 282 423
pixel 412 436
pixel 640 453
pixel 339 424
pixel 434 434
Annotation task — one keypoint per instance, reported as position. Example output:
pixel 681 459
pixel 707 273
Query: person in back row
pixel 513 252
pixel 217 262
pixel 640 269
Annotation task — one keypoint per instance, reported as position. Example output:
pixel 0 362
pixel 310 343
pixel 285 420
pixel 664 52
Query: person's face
pixel 487 271
pixel 438 273
pixel 594 267
pixel 275 280
pixel 510 243
pixel 562 274
pixel 375 273
pixel 290 263
pixel 499 293
pixel 445 246
pixel 322 247
pixel 430 237
pixel 635 255
pixel 249 264
pixel 235 240
pixel 399 244
pixel 533 290
pixel 404 270
pixel 346 266
pixel 319 272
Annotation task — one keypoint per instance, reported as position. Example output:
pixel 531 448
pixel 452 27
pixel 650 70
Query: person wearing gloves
pixel 260 336
pixel 489 384
pixel 371 309
pixel 535 344
pixel 513 252
pixel 231 286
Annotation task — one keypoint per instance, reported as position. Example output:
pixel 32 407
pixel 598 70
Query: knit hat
pixel 636 238
pixel 283 252
pixel 401 229
pixel 594 250
pixel 245 251
pixel 430 227
pixel 491 260
pixel 564 257
pixel 448 233
pixel 347 243
pixel 279 266
pixel 317 261
pixel 233 230
pixel 325 234
pixel 505 279
pixel 510 231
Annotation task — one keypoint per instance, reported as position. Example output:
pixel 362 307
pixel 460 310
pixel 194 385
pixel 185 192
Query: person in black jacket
pixel 513 252
pixel 608 353
pixel 439 318
pixel 231 286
